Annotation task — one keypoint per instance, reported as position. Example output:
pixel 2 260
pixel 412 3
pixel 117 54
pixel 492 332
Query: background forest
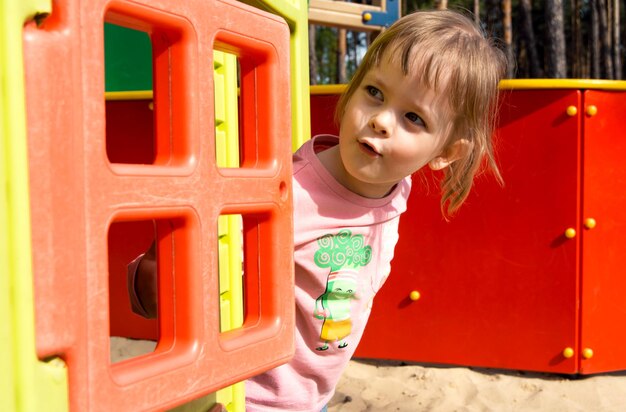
pixel 543 38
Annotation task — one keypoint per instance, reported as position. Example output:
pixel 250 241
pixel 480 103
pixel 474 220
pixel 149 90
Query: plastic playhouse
pixel 527 276
pixel 131 122
pixel 84 199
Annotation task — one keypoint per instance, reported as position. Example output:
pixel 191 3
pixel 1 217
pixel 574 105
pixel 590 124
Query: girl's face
pixel 392 126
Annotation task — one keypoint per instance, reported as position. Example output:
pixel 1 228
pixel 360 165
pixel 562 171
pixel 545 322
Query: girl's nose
pixel 381 123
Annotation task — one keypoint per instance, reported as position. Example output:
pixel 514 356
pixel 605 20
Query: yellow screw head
pixel 590 223
pixel 367 16
pixel 587 353
pixel 570 233
pixel 568 353
pixel 572 110
pixel 414 295
pixel 592 110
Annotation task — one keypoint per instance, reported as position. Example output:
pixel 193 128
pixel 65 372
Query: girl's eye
pixel 414 118
pixel 374 92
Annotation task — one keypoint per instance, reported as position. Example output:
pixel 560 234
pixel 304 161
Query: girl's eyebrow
pixel 374 78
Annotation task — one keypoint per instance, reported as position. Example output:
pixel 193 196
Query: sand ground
pixel 394 386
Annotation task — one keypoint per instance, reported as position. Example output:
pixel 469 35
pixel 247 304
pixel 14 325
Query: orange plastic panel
pixel 78 195
pixel 603 244
pixel 498 285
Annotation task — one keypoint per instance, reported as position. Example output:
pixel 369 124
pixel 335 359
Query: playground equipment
pixel 540 288
pixel 354 15
pixel 128 63
pixel 295 12
pixel 26 382
pixel 79 194
pixel 528 276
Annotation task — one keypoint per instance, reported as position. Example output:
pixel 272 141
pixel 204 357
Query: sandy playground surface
pixel 390 386
pixel 394 386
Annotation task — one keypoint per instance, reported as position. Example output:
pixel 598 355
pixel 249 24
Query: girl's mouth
pixel 369 150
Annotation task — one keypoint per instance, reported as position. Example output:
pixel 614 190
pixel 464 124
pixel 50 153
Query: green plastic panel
pixel 127 59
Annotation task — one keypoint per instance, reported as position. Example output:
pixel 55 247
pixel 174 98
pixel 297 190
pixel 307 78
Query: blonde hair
pixel 458 61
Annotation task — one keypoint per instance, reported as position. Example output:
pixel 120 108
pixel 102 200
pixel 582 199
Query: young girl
pixel 424 95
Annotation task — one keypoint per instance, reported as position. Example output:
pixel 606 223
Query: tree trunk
pixel 528 33
pixel 508 37
pixel 354 43
pixel 441 4
pixel 594 40
pixel 617 58
pixel 312 55
pixel 606 63
pixel 341 56
pixel 555 40
pixel 477 11
pixel 409 6
pixel 575 55
pixel 494 18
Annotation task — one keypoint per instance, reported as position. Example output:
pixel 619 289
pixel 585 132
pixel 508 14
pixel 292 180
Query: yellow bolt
pixel 590 223
pixel 414 295
pixel 587 353
pixel 570 233
pixel 592 110
pixel 572 110
pixel 568 352
pixel 367 16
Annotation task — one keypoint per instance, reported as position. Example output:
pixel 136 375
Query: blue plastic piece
pixel 386 18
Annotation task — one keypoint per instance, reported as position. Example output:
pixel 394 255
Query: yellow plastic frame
pixel 26 383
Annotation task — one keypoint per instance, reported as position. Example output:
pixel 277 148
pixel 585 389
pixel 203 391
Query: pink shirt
pixel 343 249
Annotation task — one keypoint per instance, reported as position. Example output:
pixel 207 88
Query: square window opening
pixel 230 266
pixel 226 82
pixel 148 56
pixel 154 283
pixel 129 107
pixel 131 248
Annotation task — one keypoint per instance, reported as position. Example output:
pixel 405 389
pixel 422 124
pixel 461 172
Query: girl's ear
pixel 451 154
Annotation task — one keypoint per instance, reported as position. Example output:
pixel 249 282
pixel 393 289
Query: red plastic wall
pixel 603 246
pixel 500 284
